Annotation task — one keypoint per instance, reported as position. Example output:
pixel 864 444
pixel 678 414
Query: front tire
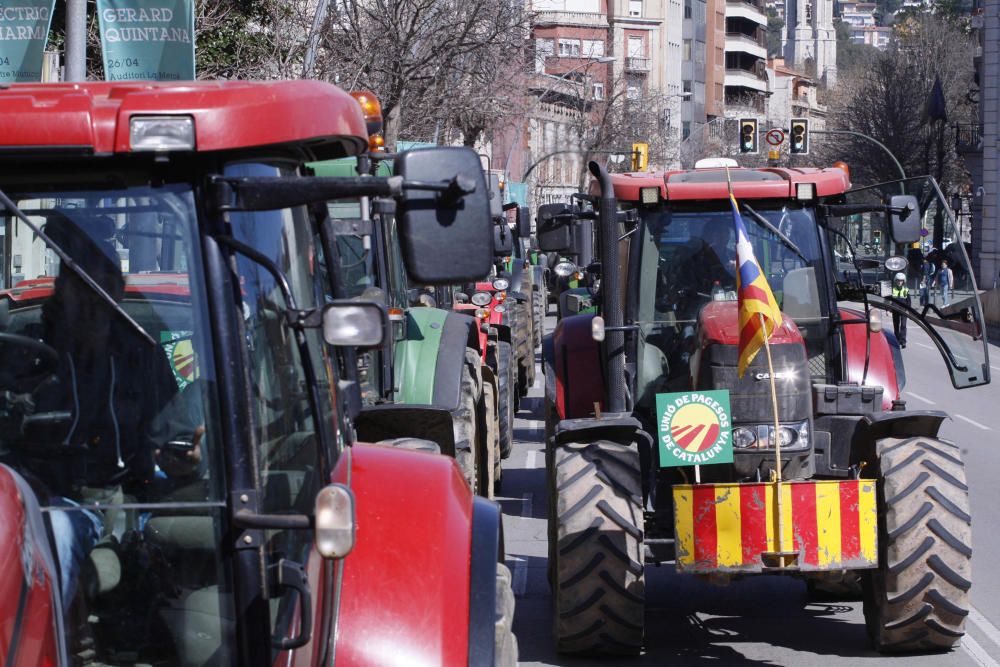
pixel 597 546
pixel 505 643
pixel 505 396
pixel 465 418
pixel 918 598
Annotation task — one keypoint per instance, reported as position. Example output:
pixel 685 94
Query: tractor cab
pixel 179 471
pixel 648 389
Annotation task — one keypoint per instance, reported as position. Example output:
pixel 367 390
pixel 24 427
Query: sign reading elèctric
pixel 695 428
pixel 145 40
pixel 24 29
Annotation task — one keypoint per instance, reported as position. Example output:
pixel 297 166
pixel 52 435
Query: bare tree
pixel 436 65
pixel 887 99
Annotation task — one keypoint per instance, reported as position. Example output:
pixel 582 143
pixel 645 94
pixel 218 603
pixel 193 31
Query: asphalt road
pixel 766 620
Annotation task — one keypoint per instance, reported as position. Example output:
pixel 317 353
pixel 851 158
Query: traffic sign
pixel 775 137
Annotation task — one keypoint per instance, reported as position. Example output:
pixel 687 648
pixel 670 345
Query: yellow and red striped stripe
pixel 726 527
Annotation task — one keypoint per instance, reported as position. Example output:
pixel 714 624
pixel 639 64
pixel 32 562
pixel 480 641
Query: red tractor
pixel 179 475
pixel 831 477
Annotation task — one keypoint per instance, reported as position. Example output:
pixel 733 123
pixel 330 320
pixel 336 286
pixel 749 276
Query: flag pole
pixel 777 445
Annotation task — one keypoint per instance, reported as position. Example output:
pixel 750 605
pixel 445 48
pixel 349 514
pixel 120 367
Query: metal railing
pixel 633 64
pixel 968 137
pixel 758 39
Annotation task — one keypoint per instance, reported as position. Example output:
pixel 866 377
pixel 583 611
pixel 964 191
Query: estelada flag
pixel 754 294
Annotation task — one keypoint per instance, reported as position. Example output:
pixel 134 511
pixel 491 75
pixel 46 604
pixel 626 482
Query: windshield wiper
pixel 68 262
pixel 764 222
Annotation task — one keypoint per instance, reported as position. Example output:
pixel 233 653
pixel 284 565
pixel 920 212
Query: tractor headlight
pixel 499 309
pixel 501 284
pixel 481 299
pixel 482 313
pixel 744 438
pixel 161 133
pixel 564 269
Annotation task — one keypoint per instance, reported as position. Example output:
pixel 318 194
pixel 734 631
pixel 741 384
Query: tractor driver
pixel 715 261
pixel 99 426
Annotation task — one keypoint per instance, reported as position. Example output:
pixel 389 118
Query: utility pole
pixel 76 40
pixel 317 25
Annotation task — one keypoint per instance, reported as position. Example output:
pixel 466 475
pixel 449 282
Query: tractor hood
pixel 719 324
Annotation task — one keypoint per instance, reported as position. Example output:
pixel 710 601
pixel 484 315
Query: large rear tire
pixel 490 442
pixel 505 396
pixel 599 595
pixel 918 598
pixel 505 643
pixel 465 420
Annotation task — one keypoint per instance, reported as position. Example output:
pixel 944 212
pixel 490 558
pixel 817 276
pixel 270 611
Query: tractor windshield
pixel 112 419
pixel 687 262
pixel 696 255
pixel 932 281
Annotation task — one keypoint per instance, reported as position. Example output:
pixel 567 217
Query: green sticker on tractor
pixel 180 353
pixel 695 428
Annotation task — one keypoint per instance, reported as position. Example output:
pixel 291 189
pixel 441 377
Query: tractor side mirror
pixel 554 227
pixel 444 236
pixel 503 240
pixel 348 323
pixel 904 227
pixel 523 222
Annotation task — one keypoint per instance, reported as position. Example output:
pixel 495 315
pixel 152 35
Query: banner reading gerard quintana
pixel 150 40
pixel 24 29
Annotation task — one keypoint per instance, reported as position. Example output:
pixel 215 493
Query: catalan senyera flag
pixel 754 294
pixel 727 527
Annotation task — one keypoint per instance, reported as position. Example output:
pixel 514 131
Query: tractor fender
pixel 881 365
pixel 846 440
pixel 387 421
pixel 428 362
pixel 573 367
pixel 31 620
pixel 413 591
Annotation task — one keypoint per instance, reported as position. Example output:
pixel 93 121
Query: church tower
pixel 809 42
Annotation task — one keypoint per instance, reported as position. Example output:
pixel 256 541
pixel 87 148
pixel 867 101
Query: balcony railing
pixel 968 138
pixel 637 64
pixel 760 40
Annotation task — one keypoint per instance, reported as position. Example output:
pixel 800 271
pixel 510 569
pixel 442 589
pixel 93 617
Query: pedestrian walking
pixel 927 278
pixel 900 294
pixel 945 280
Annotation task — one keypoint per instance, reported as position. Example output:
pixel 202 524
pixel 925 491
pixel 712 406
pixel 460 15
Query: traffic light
pixel 748 135
pixel 640 156
pixel 800 136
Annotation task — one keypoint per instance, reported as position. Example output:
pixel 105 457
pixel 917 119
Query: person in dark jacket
pixel 98 426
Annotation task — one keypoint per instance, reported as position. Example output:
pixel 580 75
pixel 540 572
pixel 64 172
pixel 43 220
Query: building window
pixel 687 9
pixel 686 50
pixel 633 92
pixel 635 7
pixel 685 129
pixel 544 48
pixel 598 91
pixel 593 48
pixel 569 48
pixel 636 48
pixel 687 86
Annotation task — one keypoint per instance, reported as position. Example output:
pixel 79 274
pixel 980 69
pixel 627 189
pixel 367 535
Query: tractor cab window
pixel 687 280
pixel 108 411
pixel 937 277
pixel 294 444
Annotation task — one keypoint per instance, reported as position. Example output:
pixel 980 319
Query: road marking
pixel 973 422
pixel 919 397
pixel 535 423
pixel 526 505
pixel 984 625
pixel 976 652
pixel 929 347
pixel 530 461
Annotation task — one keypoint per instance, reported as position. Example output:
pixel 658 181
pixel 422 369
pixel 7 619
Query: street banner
pixel 695 428
pixel 24 29
pixel 147 40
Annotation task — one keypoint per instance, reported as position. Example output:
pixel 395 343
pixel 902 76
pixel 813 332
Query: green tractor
pixel 426 383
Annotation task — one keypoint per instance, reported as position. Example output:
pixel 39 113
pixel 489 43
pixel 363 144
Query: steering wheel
pixel 45 358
